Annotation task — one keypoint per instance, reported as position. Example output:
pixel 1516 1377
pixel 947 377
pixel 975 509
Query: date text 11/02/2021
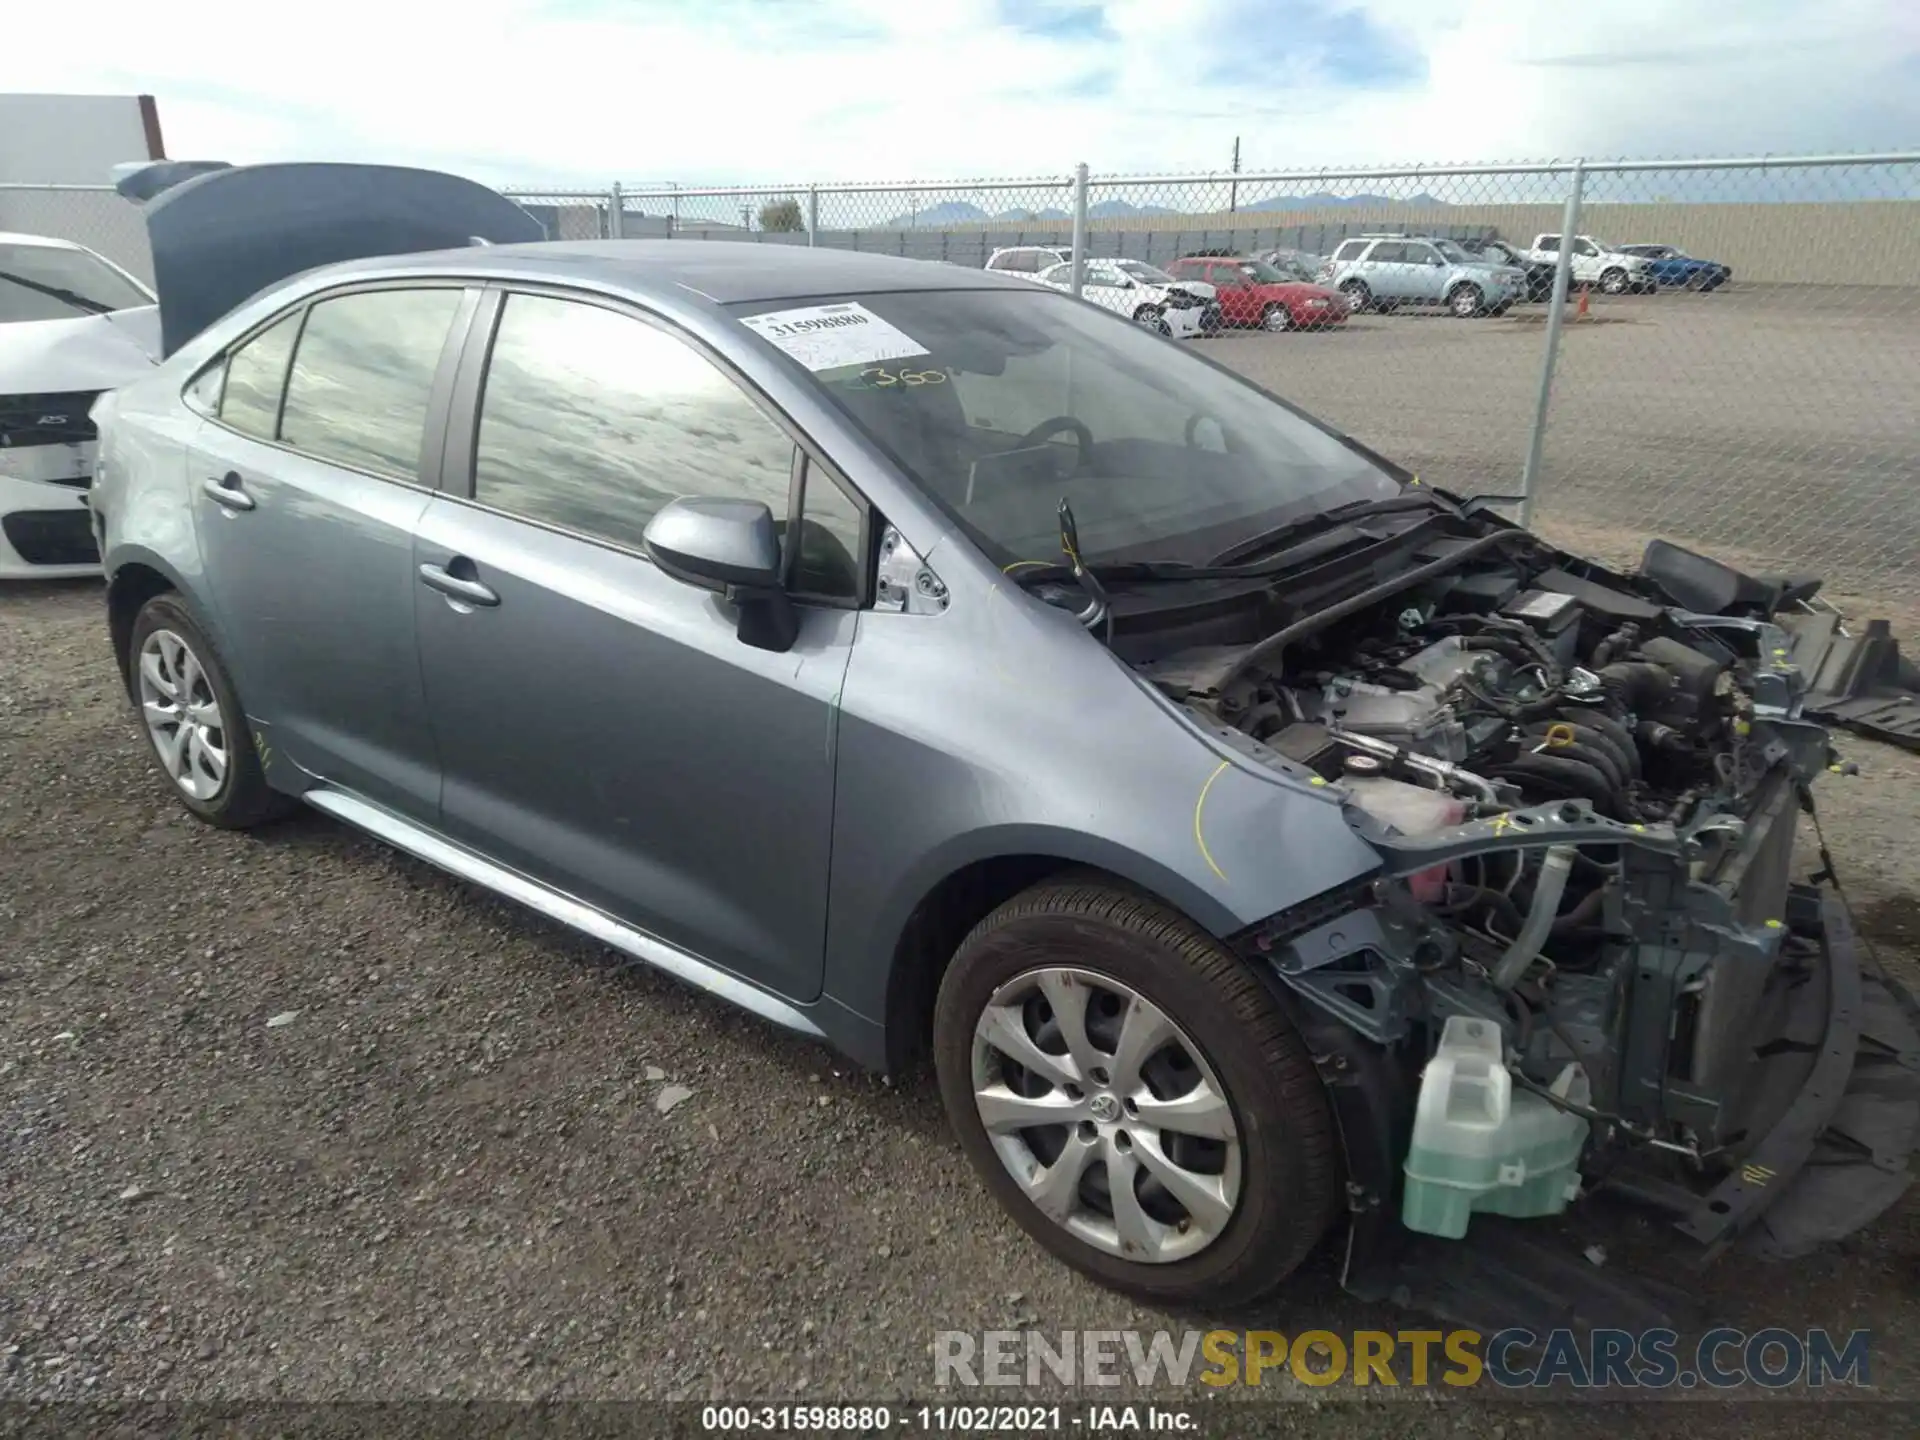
pixel 952 1419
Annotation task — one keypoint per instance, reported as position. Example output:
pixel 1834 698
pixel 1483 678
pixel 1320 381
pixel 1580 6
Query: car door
pixel 1235 297
pixel 1386 272
pixel 307 481
pixel 601 727
pixel 1105 286
pixel 1426 273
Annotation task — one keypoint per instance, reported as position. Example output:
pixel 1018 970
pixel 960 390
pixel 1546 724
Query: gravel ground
pixel 290 1116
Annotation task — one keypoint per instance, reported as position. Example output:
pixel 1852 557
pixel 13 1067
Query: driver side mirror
pixel 731 547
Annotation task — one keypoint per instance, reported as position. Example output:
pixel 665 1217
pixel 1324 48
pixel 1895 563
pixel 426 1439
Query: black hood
pixel 222 235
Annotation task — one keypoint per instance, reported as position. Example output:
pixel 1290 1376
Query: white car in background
pixel 1144 293
pixel 72 324
pixel 1026 261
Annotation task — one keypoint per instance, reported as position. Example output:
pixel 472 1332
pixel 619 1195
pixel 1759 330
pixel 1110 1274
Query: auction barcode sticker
pixel 826 337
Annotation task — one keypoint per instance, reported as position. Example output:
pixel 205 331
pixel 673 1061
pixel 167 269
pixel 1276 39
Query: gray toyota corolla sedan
pixel 1255 837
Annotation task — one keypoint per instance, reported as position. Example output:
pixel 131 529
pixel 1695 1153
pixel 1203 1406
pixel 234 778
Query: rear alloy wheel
pixel 1614 282
pixel 1153 318
pixel 1466 301
pixel 1135 1097
pixel 193 719
pixel 1276 317
pixel 1357 297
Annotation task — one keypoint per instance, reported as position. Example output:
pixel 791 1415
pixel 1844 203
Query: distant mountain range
pixel 1321 200
pixel 965 212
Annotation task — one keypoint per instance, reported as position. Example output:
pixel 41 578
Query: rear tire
pixel 1358 298
pixel 1275 318
pixel 1116 959
pixel 193 719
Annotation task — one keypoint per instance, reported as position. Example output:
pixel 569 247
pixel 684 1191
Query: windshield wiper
pixel 1421 499
pixel 58 292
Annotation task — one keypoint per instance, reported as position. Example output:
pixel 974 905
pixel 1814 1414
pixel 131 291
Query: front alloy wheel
pixel 1106 1114
pixel 1152 318
pixel 1466 301
pixel 1614 282
pixel 1135 1095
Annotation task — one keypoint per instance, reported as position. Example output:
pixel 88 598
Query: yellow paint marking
pixel 1198 806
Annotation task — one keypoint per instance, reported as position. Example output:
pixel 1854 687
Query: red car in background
pixel 1251 292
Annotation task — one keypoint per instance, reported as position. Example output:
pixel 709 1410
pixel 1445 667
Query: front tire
pixel 1466 301
pixel 1135 1097
pixel 1614 282
pixel 1151 317
pixel 193 719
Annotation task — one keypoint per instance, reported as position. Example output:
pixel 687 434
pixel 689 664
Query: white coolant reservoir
pixel 1480 1143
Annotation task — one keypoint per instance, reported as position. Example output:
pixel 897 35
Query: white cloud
pixel 583 92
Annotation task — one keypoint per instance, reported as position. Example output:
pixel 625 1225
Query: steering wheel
pixel 1193 428
pixel 1081 434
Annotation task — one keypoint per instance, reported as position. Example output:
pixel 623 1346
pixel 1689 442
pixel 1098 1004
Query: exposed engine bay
pixel 1587 796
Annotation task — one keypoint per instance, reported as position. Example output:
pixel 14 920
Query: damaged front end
pixel 1585 964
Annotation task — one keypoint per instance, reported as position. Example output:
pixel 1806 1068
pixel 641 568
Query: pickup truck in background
pixel 1595 262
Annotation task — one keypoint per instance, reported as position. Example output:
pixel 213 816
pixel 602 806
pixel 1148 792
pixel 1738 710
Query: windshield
pixel 50 282
pixel 1140 270
pixel 1014 402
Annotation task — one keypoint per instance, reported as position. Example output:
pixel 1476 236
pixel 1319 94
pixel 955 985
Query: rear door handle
pixel 227 494
pixel 458 587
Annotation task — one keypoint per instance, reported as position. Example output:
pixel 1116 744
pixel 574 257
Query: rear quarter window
pixel 1350 250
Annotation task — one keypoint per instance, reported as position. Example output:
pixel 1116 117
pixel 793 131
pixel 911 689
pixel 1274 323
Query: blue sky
pixel 711 91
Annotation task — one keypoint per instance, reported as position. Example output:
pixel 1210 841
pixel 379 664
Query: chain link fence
pixel 1733 364
pixel 92 215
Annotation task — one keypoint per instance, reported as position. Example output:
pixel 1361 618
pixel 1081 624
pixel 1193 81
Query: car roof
pixel 50 242
pixel 726 272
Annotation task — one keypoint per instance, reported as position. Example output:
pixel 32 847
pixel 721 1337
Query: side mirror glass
pixel 731 547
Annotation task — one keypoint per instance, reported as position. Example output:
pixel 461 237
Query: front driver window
pixel 592 420
pixel 831 556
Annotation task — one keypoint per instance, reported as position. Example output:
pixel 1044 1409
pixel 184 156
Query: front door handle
pixel 227 494
pixel 458 587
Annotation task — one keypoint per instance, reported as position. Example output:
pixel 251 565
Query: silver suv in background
pixel 1387 271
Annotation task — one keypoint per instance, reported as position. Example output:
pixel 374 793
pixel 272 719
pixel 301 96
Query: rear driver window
pixel 357 394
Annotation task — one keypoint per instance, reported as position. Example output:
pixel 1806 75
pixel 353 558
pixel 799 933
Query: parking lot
pixel 290 1115
pixel 1754 421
